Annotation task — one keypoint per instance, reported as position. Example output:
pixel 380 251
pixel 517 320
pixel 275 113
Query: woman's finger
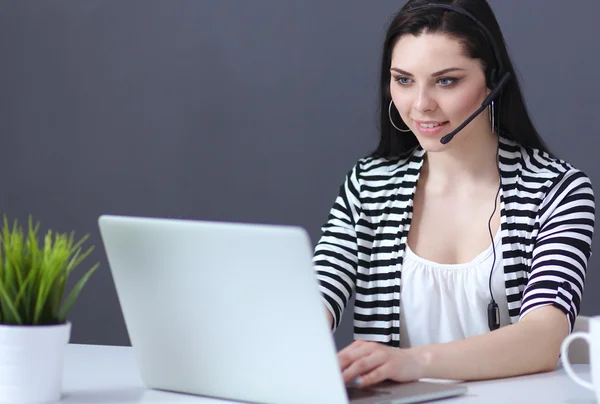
pixel 353 352
pixel 376 375
pixel 362 366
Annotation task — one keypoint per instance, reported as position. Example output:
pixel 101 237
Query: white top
pixel 448 302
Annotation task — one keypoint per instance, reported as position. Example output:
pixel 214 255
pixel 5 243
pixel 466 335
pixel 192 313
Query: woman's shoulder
pixel 373 166
pixel 533 173
pixel 534 163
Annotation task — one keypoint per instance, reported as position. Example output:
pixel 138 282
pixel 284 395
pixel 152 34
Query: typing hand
pixel 366 363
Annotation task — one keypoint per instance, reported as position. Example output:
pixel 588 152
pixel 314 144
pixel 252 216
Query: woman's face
pixel 435 87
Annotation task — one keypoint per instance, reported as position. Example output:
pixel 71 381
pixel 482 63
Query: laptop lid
pixel 224 310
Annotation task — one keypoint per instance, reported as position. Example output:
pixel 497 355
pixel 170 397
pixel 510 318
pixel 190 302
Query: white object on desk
pixel 108 374
pixel 31 362
pixel 579 350
pixel 193 295
pixel 593 339
pixel 218 278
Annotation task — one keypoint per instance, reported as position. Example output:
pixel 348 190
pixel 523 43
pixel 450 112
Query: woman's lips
pixel 430 128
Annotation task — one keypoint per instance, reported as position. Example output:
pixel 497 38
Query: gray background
pixel 234 110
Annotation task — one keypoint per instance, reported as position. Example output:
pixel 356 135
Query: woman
pixel 467 258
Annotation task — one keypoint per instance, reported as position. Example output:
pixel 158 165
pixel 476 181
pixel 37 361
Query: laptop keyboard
pixel 356 393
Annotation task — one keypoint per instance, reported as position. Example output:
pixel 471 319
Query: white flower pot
pixel 31 363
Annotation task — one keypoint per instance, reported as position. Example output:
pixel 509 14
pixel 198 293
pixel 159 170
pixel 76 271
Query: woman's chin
pixel 432 144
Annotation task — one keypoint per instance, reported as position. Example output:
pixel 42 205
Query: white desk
pixel 107 374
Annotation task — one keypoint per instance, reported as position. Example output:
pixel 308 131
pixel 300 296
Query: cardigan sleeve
pixel 562 248
pixel 335 256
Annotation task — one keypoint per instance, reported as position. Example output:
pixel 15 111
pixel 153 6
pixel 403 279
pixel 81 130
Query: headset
pixel 496 79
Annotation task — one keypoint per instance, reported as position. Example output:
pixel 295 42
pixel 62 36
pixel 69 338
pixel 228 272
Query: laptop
pixel 233 311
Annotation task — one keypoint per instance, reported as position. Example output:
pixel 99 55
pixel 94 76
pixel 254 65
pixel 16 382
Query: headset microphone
pixel 488 100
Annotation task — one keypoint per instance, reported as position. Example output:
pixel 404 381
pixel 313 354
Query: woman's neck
pixel 470 162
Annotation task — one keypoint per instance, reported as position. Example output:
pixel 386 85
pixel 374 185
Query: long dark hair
pixel 511 111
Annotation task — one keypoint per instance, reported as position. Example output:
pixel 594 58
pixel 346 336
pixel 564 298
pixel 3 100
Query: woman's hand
pixel 366 363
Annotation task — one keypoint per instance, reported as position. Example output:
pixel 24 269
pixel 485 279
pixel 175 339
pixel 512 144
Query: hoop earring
pixel 492 116
pixel 392 122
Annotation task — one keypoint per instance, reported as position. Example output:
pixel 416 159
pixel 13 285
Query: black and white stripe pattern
pixel 547 220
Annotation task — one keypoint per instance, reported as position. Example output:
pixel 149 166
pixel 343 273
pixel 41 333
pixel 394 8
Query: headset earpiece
pixel 492 77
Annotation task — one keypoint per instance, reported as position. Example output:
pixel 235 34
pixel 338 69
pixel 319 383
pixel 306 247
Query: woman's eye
pixel 447 81
pixel 403 80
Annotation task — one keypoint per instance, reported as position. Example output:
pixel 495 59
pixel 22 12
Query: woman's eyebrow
pixel 439 73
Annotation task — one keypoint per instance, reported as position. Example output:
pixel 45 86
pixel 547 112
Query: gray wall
pixel 233 110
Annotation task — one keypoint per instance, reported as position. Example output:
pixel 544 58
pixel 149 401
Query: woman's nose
pixel 424 102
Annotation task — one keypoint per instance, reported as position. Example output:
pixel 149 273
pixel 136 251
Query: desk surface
pixel 108 374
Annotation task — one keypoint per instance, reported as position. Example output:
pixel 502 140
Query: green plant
pixel 33 277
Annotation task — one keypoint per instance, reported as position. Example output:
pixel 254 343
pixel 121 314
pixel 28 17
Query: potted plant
pixel 34 329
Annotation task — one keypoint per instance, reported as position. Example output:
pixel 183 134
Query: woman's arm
pixel 335 256
pixel 329 317
pixel 530 346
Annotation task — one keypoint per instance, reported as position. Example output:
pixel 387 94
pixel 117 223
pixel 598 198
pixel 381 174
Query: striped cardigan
pixel 547 223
